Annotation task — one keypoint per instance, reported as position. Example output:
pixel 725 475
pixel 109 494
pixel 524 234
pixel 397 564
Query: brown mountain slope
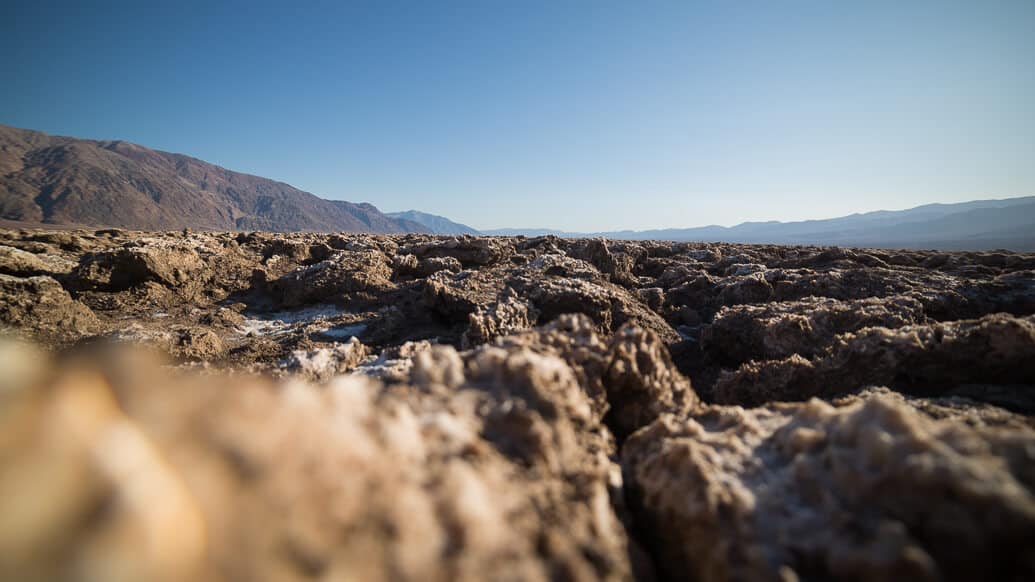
pixel 63 180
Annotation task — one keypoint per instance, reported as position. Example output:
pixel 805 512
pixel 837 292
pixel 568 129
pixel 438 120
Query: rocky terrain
pixel 375 407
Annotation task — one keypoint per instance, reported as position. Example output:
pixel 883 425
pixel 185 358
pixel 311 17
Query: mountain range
pixel 976 225
pixel 62 180
pixel 47 179
pixel 436 224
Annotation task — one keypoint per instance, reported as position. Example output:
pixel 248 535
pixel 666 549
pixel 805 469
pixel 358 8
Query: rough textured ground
pixel 416 407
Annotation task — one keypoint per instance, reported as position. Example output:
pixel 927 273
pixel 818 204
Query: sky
pixel 589 116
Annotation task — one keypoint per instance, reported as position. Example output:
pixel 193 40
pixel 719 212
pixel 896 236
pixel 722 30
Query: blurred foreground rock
pixel 499 462
pixel 490 464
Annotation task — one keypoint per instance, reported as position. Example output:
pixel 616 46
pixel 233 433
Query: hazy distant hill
pixel 536 232
pixel 976 225
pixel 63 180
pixel 437 224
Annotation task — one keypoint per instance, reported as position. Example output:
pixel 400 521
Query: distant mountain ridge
pixel 55 180
pixel 437 224
pixel 64 180
pixel 977 225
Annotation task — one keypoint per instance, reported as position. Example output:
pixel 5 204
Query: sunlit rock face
pixel 250 406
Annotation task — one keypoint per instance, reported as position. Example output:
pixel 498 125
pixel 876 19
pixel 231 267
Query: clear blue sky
pixel 576 115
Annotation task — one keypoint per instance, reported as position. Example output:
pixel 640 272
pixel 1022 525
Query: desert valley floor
pixel 351 406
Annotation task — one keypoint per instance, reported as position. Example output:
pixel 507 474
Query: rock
pixel 556 297
pixel 779 329
pixel 845 284
pixel 322 364
pixel 297 250
pixel 641 381
pixel 41 307
pixel 405 265
pixel 455 296
pixel 750 288
pixel 22 264
pixel 741 269
pixel 617 265
pixel 410 266
pixel 1009 292
pixel 346 275
pixel 395 363
pixel 320 251
pixel 930 358
pixel 629 378
pixel 71 241
pixel 871 490
pixel 200 345
pixel 561 265
pixel 87 494
pixel 469 251
pixel 432 265
pixel 506 316
pixel 692 288
pixel 575 339
pixel 223 317
pixel 607 304
pixel 169 264
pixel 505 475
pixel 654 297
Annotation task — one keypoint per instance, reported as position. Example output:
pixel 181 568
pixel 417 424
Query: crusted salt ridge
pixel 932 358
pixel 870 490
pixel 490 464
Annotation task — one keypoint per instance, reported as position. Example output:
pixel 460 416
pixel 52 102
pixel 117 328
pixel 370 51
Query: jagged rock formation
pixel 995 349
pixel 475 407
pixel 867 490
pixel 748 324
